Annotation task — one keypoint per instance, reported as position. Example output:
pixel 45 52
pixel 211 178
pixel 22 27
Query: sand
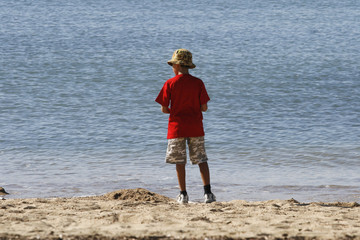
pixel 140 214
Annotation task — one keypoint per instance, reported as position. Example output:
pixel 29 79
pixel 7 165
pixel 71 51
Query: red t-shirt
pixel 185 94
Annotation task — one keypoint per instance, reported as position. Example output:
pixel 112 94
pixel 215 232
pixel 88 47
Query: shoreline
pixel 252 194
pixel 141 214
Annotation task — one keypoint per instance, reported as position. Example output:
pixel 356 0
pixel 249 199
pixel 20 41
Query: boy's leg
pixel 181 174
pixel 198 156
pixel 176 154
pixel 205 176
pixel 205 173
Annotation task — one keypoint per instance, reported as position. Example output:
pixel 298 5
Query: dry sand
pixel 138 213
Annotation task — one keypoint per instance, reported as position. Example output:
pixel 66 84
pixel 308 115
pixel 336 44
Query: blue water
pixel 78 81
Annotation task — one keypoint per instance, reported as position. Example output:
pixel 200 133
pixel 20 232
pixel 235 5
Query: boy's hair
pixel 183 66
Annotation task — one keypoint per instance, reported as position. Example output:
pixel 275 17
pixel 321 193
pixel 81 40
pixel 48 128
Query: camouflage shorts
pixel 176 150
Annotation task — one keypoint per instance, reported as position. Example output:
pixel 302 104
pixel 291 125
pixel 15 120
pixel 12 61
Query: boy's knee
pixel 203 164
pixel 180 165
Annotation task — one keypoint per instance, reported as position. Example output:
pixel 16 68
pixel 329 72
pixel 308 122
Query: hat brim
pixel 171 62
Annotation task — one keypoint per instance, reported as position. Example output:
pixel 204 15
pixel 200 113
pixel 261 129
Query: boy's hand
pixel 204 107
pixel 165 109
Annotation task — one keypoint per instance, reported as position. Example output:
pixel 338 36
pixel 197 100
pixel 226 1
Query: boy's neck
pixel 183 71
pixel 179 73
pixel 178 69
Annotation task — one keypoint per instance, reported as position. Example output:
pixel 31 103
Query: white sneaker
pixel 182 199
pixel 209 198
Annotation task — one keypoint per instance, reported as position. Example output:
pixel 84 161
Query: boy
pixel 187 98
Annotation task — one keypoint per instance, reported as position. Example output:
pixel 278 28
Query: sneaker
pixel 209 198
pixel 182 199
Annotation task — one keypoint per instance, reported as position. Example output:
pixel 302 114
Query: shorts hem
pixel 199 162
pixel 176 162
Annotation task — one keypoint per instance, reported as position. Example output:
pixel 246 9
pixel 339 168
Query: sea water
pixel 78 80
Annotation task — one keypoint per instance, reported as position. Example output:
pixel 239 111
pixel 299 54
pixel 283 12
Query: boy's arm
pixel 204 107
pixel 165 109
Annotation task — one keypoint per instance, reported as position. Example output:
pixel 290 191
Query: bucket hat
pixel 183 57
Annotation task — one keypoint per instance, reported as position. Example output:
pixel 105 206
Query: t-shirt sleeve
pixel 204 97
pixel 164 96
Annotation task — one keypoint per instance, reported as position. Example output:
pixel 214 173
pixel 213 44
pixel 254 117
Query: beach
pixel 141 214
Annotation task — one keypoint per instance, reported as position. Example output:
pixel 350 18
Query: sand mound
pixel 2 191
pixel 137 195
pixel 339 204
